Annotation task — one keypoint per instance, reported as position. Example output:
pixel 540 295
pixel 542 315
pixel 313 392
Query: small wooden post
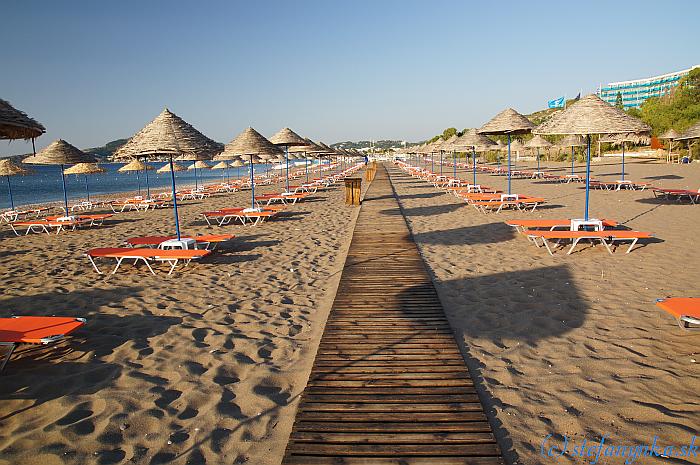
pixel 353 189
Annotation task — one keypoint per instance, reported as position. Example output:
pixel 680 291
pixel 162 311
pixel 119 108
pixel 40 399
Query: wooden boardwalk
pixel 388 385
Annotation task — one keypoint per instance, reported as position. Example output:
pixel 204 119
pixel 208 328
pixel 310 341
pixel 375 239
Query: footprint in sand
pixel 167 397
pixel 188 413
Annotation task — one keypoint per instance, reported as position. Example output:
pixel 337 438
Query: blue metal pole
pixel 588 175
pixel 9 190
pixel 509 164
pixel 432 162
pixel 623 160
pixel 538 158
pixel 87 188
pixel 306 167
pixel 252 183
pixel 286 156
pixel 148 187
pixel 172 178
pixel 572 159
pixel 196 186
pixel 65 192
pixel 440 162
pixel 474 162
pixel 138 181
pixel 454 164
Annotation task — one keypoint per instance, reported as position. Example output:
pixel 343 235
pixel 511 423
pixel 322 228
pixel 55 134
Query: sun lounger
pixel 677 194
pixel 605 237
pixel 243 215
pixel 34 330
pixel 46 226
pixel 205 241
pixel 95 219
pixel 503 201
pixel 686 310
pixel 550 225
pixel 172 256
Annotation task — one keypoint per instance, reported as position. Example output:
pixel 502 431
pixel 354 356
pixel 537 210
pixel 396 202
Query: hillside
pixel 365 144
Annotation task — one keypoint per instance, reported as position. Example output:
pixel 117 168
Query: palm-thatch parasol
pixel 222 165
pixel 15 124
pixel 310 148
pixel 85 169
pixel 237 163
pixel 138 165
pixel 287 138
pixel 9 168
pixel 60 152
pixel 538 142
pixel 591 115
pixel 693 132
pixel 171 167
pixel 507 122
pixel 197 165
pixel 249 143
pixel 168 135
pixel 621 140
pixel 572 140
pixel 669 135
pixel 472 138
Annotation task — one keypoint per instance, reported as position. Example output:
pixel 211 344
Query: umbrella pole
pixel 172 179
pixel 306 165
pixel 474 162
pixel 572 159
pixel 148 187
pixel 196 186
pixel 509 164
pixel 65 192
pixel 87 188
pixel 432 162
pixel 623 160
pixel 138 181
pixel 252 183
pixel 588 175
pixel 440 162
pixel 9 190
pixel 286 156
pixel 538 158
pixel 454 165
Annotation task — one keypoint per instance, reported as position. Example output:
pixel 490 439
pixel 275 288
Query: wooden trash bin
pixel 353 189
pixel 371 171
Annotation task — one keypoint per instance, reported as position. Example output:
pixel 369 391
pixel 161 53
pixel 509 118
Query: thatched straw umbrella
pixel 309 148
pixel 572 140
pixel 15 124
pixel 693 132
pixel 249 143
pixel 669 135
pixel 60 152
pixel 287 138
pixel 508 122
pixel 85 169
pixel 138 165
pixel 471 138
pixel 591 115
pixel 168 135
pixel 237 163
pixel 197 165
pixel 171 167
pixel 9 168
pixel 222 165
pixel 538 142
pixel 621 140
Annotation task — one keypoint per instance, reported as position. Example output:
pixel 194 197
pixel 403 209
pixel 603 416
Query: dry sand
pixel 205 366
pixel 570 345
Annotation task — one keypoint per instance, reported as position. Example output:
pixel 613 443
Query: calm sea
pixel 44 184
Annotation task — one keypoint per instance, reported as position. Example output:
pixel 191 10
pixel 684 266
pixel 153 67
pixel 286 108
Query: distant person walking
pixel 366 160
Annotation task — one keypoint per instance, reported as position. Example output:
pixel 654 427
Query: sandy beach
pixel 570 345
pixel 204 366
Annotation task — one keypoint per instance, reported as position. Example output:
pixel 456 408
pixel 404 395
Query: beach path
pixel 388 385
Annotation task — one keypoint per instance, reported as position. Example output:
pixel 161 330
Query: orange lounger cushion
pixel 155 240
pixel 686 310
pixel 171 256
pixel 34 330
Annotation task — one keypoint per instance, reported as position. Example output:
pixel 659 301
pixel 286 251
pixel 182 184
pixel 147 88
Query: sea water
pixel 44 184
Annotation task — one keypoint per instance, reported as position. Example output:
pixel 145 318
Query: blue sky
pixel 93 71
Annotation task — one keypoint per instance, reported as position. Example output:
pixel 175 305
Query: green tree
pixel 618 101
pixel 678 110
pixel 449 132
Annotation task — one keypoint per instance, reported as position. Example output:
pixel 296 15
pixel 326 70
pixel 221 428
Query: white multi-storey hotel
pixel 635 92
